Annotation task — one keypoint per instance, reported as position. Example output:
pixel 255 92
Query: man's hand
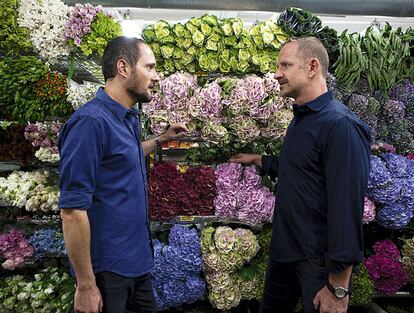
pixel 88 300
pixel 247 159
pixel 175 131
pixel 328 303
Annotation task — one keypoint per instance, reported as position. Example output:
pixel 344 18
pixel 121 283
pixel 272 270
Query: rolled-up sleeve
pixel 347 168
pixel 80 149
pixel 270 166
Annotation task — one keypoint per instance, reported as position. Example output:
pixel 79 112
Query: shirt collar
pixel 315 105
pixel 115 107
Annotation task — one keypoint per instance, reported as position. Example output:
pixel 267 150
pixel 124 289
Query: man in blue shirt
pixel 322 173
pixel 103 186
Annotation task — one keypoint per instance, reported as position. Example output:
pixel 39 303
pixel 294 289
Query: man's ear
pixel 313 67
pixel 123 68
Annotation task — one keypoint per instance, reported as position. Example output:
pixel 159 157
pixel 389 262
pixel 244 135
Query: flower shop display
pixel 177 269
pixel 172 193
pixel 407 259
pixel 89 29
pixel 391 186
pixel 15 249
pixel 45 21
pixel 13 144
pixel 47 241
pixel 225 251
pixel 385 269
pixel 32 190
pixel 50 290
pixel 79 94
pixel 362 287
pixel 208 44
pixel 241 196
pixel 13 39
pixel 45 136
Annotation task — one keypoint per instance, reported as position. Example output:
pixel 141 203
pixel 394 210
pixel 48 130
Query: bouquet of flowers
pixel 45 136
pixel 15 248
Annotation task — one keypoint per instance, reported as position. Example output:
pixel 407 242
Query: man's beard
pixel 132 88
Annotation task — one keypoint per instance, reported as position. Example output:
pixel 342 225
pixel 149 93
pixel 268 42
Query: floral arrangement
pixel 225 251
pixel 47 241
pixel 362 287
pixel 241 196
pixel 44 135
pixel 391 186
pixel 222 110
pixel 50 290
pixel 89 29
pixel 78 95
pixel 45 21
pixel 177 269
pixel 408 258
pixel 13 144
pixel 52 87
pixel 15 249
pixel 29 189
pixel 172 193
pixel 384 268
pixel 369 211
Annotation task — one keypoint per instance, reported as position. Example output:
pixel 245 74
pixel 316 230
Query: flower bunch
pixel 391 186
pixel 224 109
pixel 369 211
pixel 47 241
pixel 44 198
pixel 173 193
pixel 44 135
pixel 50 290
pixel 362 288
pixel 367 109
pixel 240 194
pixel 90 29
pixel 78 95
pixel 407 259
pixel 384 268
pixel 52 87
pixel 15 249
pixel 46 23
pixel 177 269
pixel 225 251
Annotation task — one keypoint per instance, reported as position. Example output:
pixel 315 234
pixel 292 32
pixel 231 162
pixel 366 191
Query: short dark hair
pixel 127 48
pixel 312 47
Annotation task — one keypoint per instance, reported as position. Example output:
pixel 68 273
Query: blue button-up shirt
pixel 102 170
pixel 322 174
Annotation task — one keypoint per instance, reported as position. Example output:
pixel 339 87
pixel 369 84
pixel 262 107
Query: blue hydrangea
pixel 177 268
pixel 388 193
pixel 398 165
pixel 47 241
pixel 395 216
pixel 379 175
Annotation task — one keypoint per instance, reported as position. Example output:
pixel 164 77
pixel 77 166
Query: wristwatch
pixel 339 292
pixel 157 141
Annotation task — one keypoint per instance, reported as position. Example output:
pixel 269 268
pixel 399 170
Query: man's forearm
pixel 150 145
pixel 77 235
pixel 341 278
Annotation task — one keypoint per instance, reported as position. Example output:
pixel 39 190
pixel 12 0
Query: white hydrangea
pixel 46 155
pixel 44 198
pixel 45 20
pixel 78 94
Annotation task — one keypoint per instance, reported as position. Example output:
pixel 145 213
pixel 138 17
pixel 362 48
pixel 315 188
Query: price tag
pixel 186 218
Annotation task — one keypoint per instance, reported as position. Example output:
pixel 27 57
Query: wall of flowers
pixel 212 226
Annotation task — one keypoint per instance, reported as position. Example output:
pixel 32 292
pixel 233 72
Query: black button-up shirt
pixel 322 173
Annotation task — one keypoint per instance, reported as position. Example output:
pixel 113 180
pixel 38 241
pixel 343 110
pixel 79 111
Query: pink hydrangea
pixel 369 211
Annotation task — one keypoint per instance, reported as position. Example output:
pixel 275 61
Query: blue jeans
pixel 125 294
pixel 286 283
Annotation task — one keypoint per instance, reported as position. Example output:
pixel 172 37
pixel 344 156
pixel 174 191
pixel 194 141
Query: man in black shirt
pixel 322 173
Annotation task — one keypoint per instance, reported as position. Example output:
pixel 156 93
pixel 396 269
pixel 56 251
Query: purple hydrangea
pixel 394 215
pixel 398 165
pixel 403 92
pixel 386 248
pixel 393 111
pixel 379 175
pixel 212 101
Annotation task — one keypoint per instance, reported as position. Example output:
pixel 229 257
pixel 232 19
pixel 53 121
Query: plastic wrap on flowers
pixel 225 251
pixel 241 196
pixel 47 241
pixel 173 193
pixel 384 268
pixel 362 288
pixel 177 269
pixel 407 259
pixel 15 249
pixel 369 211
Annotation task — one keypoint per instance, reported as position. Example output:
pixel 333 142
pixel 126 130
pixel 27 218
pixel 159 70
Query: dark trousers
pixel 125 294
pixel 286 283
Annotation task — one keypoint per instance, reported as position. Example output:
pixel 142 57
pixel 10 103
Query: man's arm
pixel 175 132
pixel 269 164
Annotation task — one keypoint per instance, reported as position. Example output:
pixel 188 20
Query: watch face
pixel 340 292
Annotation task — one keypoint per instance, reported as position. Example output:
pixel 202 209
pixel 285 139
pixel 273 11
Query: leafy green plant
pixel 13 39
